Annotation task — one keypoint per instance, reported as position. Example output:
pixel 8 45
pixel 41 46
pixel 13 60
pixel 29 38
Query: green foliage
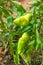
pixel 22 39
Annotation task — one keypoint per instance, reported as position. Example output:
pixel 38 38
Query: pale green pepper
pixel 22 42
pixel 23 20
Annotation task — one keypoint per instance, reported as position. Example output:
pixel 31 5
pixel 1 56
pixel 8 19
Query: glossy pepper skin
pixel 23 20
pixel 22 42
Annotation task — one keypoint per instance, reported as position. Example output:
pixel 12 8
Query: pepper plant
pixel 22 33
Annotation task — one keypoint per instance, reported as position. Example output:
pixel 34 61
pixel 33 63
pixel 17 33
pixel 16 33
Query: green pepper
pixel 22 42
pixel 23 20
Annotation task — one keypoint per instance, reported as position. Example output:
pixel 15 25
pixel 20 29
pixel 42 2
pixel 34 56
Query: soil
pixel 6 59
pixel 25 3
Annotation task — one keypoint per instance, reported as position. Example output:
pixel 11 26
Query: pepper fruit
pixel 23 20
pixel 22 42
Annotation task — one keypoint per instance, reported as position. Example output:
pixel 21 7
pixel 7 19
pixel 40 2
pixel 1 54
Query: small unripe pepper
pixel 22 42
pixel 23 20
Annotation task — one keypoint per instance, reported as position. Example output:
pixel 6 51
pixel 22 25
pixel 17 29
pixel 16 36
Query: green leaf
pixel 16 58
pixel 0 12
pixel 38 40
pixel 6 12
pixel 35 3
pixel 2 3
pixel 18 6
pixel 24 29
